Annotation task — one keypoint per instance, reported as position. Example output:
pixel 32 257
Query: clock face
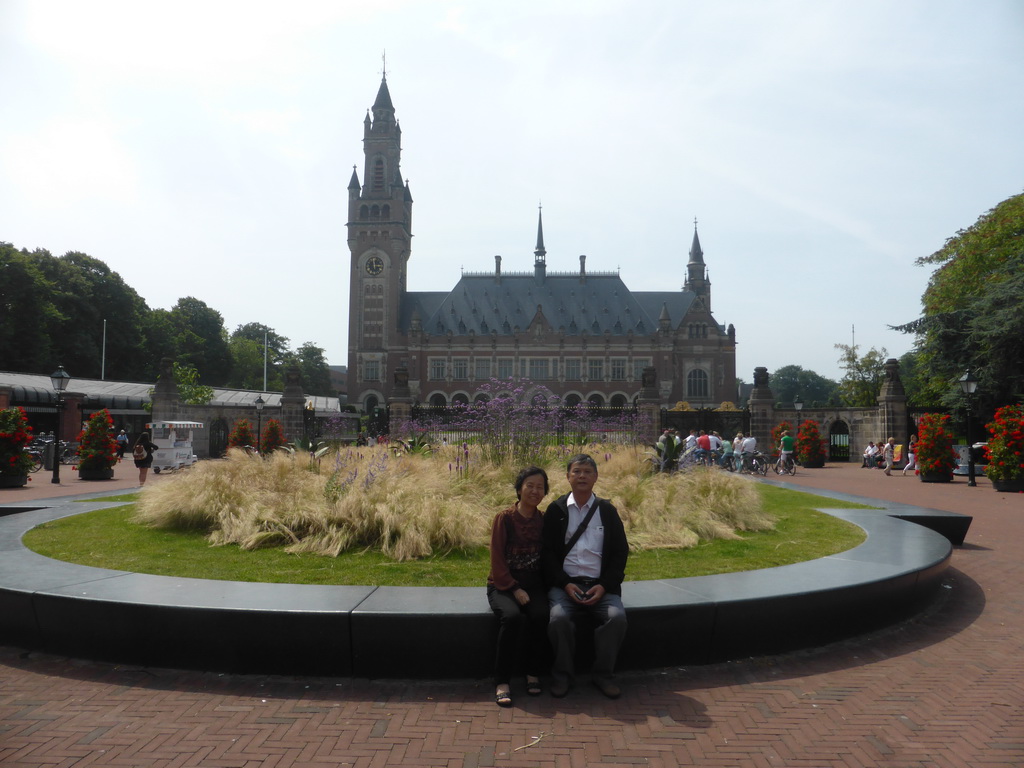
pixel 374 265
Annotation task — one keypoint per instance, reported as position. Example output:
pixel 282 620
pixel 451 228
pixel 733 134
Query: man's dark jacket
pixel 614 554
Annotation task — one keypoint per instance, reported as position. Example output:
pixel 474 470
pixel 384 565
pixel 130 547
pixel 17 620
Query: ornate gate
pixel 839 441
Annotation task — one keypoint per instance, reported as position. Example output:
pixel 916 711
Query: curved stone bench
pixel 361 631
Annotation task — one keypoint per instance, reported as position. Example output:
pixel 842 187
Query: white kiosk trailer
pixel 173 440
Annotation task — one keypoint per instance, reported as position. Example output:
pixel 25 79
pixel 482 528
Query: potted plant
pixel 97 448
pixel 1006 449
pixel 242 436
pixel 273 437
pixel 15 434
pixel 936 458
pixel 811 450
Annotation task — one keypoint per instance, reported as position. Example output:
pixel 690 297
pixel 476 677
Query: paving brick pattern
pixel 943 690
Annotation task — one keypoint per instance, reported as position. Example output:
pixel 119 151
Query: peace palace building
pixel 584 335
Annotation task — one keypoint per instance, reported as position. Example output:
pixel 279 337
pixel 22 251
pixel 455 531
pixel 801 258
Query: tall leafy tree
pixel 316 375
pixel 28 315
pixel 973 310
pixel 791 382
pixel 247 356
pixel 201 340
pixel 863 377
pixel 86 292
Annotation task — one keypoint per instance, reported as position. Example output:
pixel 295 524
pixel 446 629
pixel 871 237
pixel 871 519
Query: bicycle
pixel 758 463
pixel 37 459
pixel 785 465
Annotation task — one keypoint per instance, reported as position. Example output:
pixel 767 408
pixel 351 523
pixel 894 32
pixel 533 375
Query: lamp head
pixel 59 379
pixel 968 383
pixel 259 403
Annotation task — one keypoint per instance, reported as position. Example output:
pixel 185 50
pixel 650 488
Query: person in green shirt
pixel 786 446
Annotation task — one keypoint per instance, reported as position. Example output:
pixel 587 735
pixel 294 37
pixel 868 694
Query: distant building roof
pixel 28 389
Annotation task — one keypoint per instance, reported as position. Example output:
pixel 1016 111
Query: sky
pixel 204 149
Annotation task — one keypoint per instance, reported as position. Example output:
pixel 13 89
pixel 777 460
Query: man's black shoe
pixel 608 687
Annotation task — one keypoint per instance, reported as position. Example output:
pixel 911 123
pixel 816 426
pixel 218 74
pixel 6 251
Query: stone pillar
pixel 400 402
pixel 762 409
pixel 71 422
pixel 293 401
pixel 892 405
pixel 166 398
pixel 649 405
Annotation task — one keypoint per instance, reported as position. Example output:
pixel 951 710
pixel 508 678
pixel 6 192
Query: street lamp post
pixel 969 385
pixel 59 379
pixel 798 404
pixel 259 422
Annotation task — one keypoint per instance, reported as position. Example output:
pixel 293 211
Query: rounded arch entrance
pixel 838 441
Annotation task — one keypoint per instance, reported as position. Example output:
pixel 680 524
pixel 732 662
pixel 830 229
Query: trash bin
pixel 48 451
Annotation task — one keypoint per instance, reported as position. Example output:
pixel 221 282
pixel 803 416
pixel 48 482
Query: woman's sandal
pixel 503 698
pixel 534 687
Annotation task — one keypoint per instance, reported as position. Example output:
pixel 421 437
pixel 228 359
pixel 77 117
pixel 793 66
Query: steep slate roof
pixel 485 303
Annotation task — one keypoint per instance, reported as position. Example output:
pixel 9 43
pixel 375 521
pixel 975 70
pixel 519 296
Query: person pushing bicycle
pixel 786 445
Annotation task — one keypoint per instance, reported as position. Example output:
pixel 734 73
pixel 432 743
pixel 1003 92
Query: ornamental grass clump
pixel 1006 444
pixel 411 506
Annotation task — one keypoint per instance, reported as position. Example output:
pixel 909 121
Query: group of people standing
pixel 549 568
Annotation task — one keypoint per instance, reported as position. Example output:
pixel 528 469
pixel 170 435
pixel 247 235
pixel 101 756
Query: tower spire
pixel 539 251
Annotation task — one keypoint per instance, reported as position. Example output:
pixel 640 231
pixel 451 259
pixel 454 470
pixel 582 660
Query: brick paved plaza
pixel 944 690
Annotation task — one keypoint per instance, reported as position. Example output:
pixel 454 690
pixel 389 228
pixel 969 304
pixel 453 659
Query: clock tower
pixel 379 240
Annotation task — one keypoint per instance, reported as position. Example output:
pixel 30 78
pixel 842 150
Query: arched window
pixel 481 398
pixel 697 383
pixel 375 212
pixel 618 401
pixel 596 401
pixel 460 399
pixel 371 404
pixel 438 400
pixel 571 401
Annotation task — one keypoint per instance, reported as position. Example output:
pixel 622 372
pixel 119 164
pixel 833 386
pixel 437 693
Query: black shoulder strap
pixel 582 527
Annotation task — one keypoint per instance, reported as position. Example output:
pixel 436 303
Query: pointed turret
pixel 353 183
pixel 539 254
pixel 696 271
pixel 383 100
pixel 539 251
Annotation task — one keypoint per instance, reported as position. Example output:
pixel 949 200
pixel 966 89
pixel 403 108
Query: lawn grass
pixel 107 539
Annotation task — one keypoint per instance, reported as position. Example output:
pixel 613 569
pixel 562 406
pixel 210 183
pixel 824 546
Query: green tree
pixel 86 292
pixel 191 391
pixel 973 310
pixel 863 379
pixel 791 382
pixel 201 340
pixel 247 357
pixel 28 316
pixel 160 336
pixel 316 375
pixel 247 366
